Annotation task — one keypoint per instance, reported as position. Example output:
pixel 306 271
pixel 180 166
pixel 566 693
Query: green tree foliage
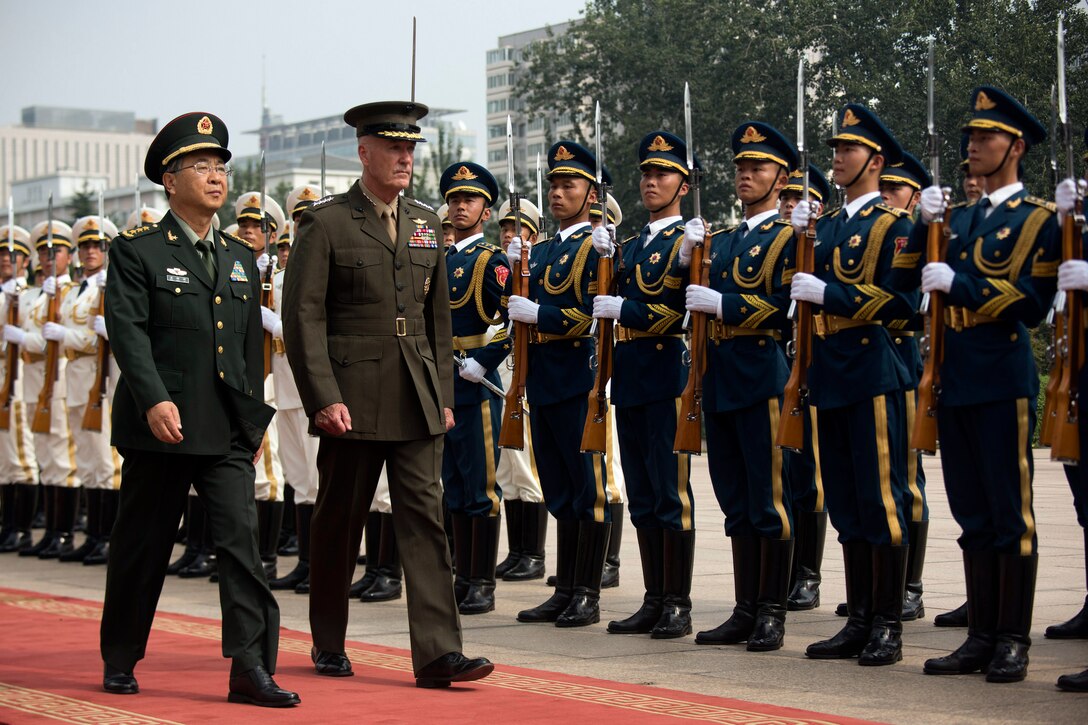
pixel 741 59
pixel 84 203
pixel 445 150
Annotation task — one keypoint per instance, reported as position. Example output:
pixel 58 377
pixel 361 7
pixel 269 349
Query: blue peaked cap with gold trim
pixel 817 183
pixel 857 124
pixel 763 142
pixel 664 150
pixel 568 158
pixel 992 109
pixel 909 171
pixel 468 178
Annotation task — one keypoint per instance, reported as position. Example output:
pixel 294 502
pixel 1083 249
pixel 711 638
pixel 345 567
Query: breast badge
pixel 423 237
pixel 655 257
pixel 238 273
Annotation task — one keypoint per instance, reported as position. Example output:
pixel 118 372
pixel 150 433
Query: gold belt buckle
pixel 820 323
pixel 402 327
pixel 957 318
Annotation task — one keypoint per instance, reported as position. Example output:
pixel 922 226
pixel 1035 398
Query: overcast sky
pixel 163 59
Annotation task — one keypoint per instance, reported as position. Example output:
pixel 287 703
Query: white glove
pixel 523 310
pixel 1065 196
pixel 99 279
pixel 9 287
pixel 607 307
pixel 49 286
pixel 472 371
pixel 932 203
pixel 704 299
pixel 269 319
pixel 802 213
pixel 1073 275
pixel 937 276
pixel 694 233
pixel 602 239
pixel 53 332
pixel 14 335
pixel 513 250
pixel 100 327
pixel 807 287
pixel 262 263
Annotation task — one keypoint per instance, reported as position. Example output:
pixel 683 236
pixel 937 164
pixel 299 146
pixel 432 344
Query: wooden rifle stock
pixel 92 417
pixel 689 426
pixel 1065 446
pixel 923 437
pixel 595 431
pixel 11 374
pixel 1057 363
pixel 512 432
pixel 791 424
pixel 44 411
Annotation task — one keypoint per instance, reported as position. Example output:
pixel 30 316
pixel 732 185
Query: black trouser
pixel 154 487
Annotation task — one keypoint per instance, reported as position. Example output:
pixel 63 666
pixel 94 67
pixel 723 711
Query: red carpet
pixel 50 671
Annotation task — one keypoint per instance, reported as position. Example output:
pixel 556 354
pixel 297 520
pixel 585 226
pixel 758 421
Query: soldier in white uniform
pixel 53 449
pixel 526 514
pixel 97 463
pixel 18 466
pixel 297 448
pixel 145 216
pixel 269 485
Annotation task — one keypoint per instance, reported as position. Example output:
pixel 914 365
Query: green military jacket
pixel 366 318
pixel 177 336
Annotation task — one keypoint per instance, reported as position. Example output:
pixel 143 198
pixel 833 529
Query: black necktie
pixel 82 287
pixel 644 236
pixel 204 249
pixel 743 229
pixel 980 212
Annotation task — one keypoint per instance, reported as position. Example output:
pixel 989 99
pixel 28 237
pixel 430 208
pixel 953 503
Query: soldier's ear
pixel 486 214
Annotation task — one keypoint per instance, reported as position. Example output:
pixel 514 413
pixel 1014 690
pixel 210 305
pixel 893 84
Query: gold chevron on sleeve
pixel 1007 295
pixel 666 316
pixel 877 299
pixel 580 319
pixel 1045 269
pixel 763 310
pixel 904 260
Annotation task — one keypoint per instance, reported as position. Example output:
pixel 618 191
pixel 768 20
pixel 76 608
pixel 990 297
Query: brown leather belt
pixel 471 342
pixel 961 318
pixel 76 354
pixel 627 334
pixel 827 325
pixel 399 327
pixel 536 337
pixel 718 330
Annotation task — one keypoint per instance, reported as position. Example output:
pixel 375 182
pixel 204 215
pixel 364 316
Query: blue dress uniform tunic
pixel 1005 268
pixel 856 376
pixel 479 286
pixel 746 372
pixel 648 378
pixel 563 282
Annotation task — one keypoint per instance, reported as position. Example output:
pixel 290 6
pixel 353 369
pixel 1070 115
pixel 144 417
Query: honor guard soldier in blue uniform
pixel 479 282
pixel 856 381
pixel 900 187
pixel 747 300
pixel 1073 275
pixel 526 514
pixel 562 285
pixel 648 379
pixel 998 280
pixel 803 469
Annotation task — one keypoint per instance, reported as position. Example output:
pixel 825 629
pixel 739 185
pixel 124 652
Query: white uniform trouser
pixel 298 454
pixel 381 502
pixel 617 488
pixel 17 461
pixel 268 486
pixel 516 472
pixel 54 450
pixel 98 464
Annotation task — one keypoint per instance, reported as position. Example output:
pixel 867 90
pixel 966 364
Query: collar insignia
pixel 867 211
pixel 1013 203
pixel 171 236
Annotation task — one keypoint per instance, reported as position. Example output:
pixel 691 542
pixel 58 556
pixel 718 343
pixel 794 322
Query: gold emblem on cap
pixel 204 126
pixel 307 195
pixel 91 224
pixel 561 154
pixel 659 144
pixel 983 102
pixel 751 135
pixel 253 201
pixel 795 174
pixel 849 119
pixel 463 174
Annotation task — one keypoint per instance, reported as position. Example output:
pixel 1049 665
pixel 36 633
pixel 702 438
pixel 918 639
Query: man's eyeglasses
pixel 203 168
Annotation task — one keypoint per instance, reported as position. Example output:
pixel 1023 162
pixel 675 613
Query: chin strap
pixel 585 200
pixel 1004 159
pixel 473 225
pixel 861 171
pixel 670 202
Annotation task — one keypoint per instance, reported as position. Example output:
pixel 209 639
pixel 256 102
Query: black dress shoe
pixel 60 546
pixel 885 646
pixel 956 618
pixel 736 629
pixel 841 610
pixel 973 655
pixel 848 642
pixel 119 682
pixel 330 663
pixel 642 621
pixel 527 568
pixel 183 561
pixel 82 551
pixel 1010 661
pixel 453 667
pixel 1074 683
pixel 1075 628
pixel 361 584
pixel 256 687
pixel 201 566
pixel 675 622
pixel 913 606
pixel 99 555
pixel 384 589
pixel 610 575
